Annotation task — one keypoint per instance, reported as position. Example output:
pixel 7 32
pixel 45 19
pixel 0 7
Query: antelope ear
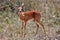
pixel 17 7
pixel 22 4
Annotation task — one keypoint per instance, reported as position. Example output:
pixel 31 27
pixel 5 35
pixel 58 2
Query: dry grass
pixel 10 29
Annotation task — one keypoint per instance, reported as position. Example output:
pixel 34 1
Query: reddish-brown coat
pixel 25 16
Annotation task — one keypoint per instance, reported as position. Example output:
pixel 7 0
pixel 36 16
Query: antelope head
pixel 21 7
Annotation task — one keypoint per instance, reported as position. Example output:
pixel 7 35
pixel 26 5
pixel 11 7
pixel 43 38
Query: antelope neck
pixel 21 13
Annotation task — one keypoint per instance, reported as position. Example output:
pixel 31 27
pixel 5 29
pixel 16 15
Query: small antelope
pixel 26 16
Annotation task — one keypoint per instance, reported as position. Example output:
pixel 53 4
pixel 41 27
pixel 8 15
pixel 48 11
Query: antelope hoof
pixel 24 35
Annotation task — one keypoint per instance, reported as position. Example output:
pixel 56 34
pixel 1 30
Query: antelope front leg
pixel 24 28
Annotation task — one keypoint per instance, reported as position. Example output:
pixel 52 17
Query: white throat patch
pixel 23 13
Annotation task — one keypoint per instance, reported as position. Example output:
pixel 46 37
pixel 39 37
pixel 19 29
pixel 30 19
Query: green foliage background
pixel 10 24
